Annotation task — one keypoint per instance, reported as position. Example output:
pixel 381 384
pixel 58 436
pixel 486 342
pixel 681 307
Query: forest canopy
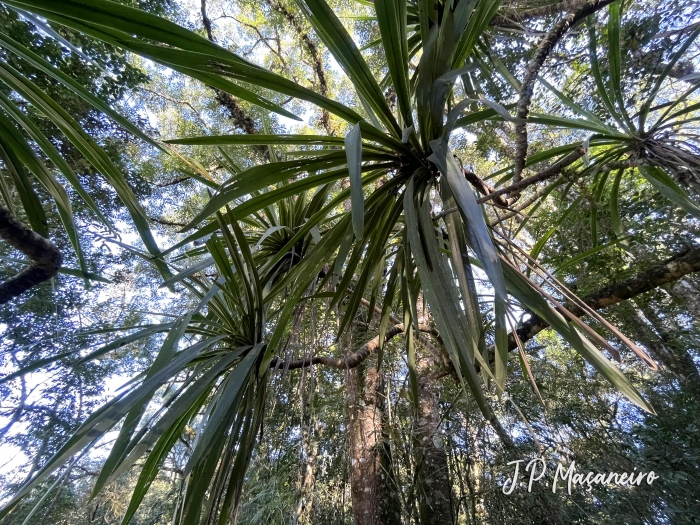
pixel 349 261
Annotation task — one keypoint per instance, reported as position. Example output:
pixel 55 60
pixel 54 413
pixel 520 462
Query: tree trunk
pixel 374 495
pixel 434 486
pixel 435 489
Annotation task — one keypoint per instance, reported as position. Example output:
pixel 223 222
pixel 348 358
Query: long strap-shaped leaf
pixel 482 245
pixel 471 213
pixel 165 355
pixel 23 186
pixel 668 187
pixel 334 35
pixel 391 17
pixel 644 111
pixel 52 153
pixel 107 417
pixel 15 142
pixel 615 59
pixel 522 290
pixel 130 20
pixel 74 86
pixel 438 287
pixel 353 153
pixel 89 149
pixel 203 60
pixel 259 177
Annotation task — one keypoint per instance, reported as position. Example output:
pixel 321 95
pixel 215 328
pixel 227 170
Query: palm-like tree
pixel 277 232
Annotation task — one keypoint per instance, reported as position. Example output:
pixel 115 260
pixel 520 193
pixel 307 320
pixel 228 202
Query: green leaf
pixel 539 245
pixel 478 22
pixel 252 140
pixel 336 38
pixel 520 288
pixel 438 287
pixel 23 186
pixel 590 252
pixel 136 412
pixel 74 86
pixel 197 57
pixel 615 58
pixel 615 220
pixel 259 177
pixel 568 102
pixel 391 18
pixel 665 185
pixel 644 111
pixel 472 214
pixel 107 417
pixel 573 123
pixel 353 152
pixel 595 70
pixel 15 142
pixel 223 405
pixel 52 153
pixel 91 151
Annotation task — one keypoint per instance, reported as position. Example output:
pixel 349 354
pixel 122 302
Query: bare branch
pixel 312 48
pixel 544 48
pixel 666 272
pixel 228 101
pixel 490 192
pixel 45 257
pixel 172 182
pixel 165 222
pixel 351 361
pixel 554 170
pixel 518 17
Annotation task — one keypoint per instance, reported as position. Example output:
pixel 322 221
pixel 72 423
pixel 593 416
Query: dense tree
pixel 396 279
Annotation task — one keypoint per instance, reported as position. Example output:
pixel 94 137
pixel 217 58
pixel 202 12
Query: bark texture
pixel 544 48
pixel 236 112
pixel 314 54
pixel 374 500
pixel 518 17
pixel 45 257
pixel 435 489
pixel 349 362
pixel 658 275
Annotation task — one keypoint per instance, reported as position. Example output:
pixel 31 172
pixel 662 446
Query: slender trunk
pixel 310 432
pixel 373 488
pixel 310 439
pixel 364 426
pixel 435 489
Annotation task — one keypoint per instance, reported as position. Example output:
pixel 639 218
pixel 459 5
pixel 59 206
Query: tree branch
pixel 228 101
pixel 317 63
pixel 171 183
pixel 351 361
pixel 518 17
pixel 490 192
pixel 45 257
pixel 554 170
pixel 165 222
pixel 526 90
pixel 487 190
pixel 671 270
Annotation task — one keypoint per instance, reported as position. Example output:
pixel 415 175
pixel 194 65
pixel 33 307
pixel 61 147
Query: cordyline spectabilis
pixel 414 231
